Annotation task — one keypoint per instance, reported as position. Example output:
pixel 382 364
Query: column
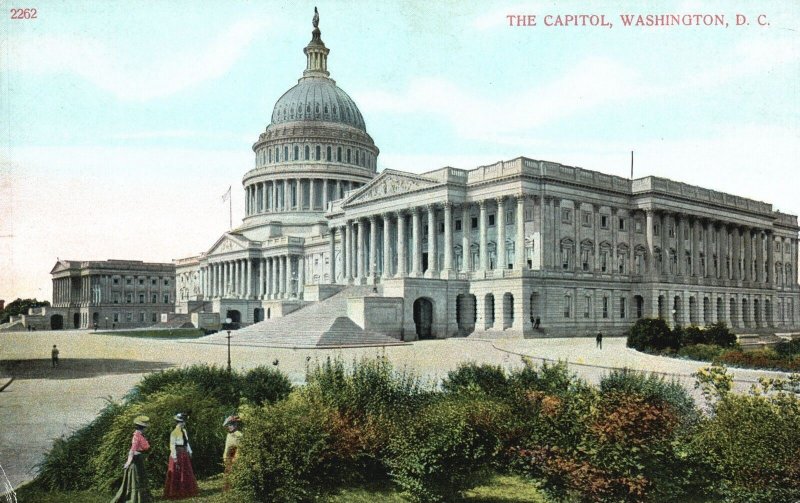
pixel 432 271
pixel 275 275
pixel 373 248
pixel 387 246
pixel 760 269
pixel 466 229
pixel 301 275
pixel 694 235
pixel 500 221
pixel 748 256
pixel 311 194
pixel 709 253
pixel 324 194
pixel 348 252
pixel 332 256
pixel 289 276
pixel 447 268
pixel 286 195
pixel 401 244
pixel 650 236
pixel 358 228
pixel 770 265
pixel 679 244
pixel 338 194
pixel 484 248
pixel 416 237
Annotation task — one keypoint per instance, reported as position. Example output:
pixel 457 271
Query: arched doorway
pixel 732 313
pixel 465 313
pixel 693 307
pixel 76 320
pixel 745 313
pixel 488 310
pixel 676 311
pixel 535 310
pixel 95 319
pixel 234 315
pixel 56 322
pixel 508 310
pixel 706 311
pixel 661 307
pixel 258 315
pixel 423 318
pixel 720 314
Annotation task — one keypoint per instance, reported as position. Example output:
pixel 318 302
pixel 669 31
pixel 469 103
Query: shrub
pixel 286 455
pixel 760 358
pixel 224 386
pixel 690 335
pixel 788 348
pixel 654 390
pixel 651 334
pixel 702 352
pixel 719 334
pixel 447 449
pixel 751 442
pixel 265 384
pixel 204 427
pixel 68 465
pixel 489 379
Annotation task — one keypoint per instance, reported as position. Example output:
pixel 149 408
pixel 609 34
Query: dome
pixel 317 99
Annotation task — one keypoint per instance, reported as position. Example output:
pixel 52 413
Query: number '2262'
pixel 23 13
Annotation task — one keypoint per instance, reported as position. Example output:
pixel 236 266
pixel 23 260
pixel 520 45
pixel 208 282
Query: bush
pixel 651 334
pixel 265 384
pixel 204 427
pixel 719 334
pixel 68 465
pixel 788 348
pixel 448 448
pixel 224 386
pixel 470 377
pixel 654 390
pixel 701 352
pixel 690 335
pixel 751 442
pixel 760 358
pixel 287 454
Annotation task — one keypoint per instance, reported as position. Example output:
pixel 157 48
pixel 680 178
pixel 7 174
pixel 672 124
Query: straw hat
pixel 231 420
pixel 180 417
pixel 141 421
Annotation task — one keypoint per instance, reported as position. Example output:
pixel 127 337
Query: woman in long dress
pixel 229 455
pixel 134 487
pixel 180 481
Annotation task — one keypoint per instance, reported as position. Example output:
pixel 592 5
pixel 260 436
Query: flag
pixel 227 194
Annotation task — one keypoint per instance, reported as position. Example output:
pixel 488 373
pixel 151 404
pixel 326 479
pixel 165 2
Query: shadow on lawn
pixel 76 368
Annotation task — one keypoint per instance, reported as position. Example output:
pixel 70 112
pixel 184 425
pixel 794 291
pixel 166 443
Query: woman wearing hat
pixel 180 481
pixel 232 423
pixel 134 477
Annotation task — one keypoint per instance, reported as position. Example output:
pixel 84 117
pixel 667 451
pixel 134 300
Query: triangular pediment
pixel 390 183
pixel 61 265
pixel 229 242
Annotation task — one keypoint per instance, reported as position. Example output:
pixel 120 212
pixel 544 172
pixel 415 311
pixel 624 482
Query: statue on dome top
pixel 315 21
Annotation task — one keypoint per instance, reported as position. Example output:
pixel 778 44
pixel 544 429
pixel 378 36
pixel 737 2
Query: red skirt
pixel 180 481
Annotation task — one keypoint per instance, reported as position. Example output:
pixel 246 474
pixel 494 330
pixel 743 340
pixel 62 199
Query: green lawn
pixel 501 489
pixel 162 333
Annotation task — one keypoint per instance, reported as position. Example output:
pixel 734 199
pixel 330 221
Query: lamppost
pixel 228 323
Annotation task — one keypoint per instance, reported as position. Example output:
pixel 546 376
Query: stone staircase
pixel 13 326
pixel 318 325
pixel 175 321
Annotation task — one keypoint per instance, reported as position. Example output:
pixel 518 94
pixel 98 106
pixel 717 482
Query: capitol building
pixel 522 248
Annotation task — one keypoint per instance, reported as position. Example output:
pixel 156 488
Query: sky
pixel 123 123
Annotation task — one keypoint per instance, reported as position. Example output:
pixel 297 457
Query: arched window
pixel 328 158
pixel 308 152
pixel 286 153
pixel 338 152
pixel 348 156
pixel 357 152
pixel 318 153
pixel 296 153
pixel 270 155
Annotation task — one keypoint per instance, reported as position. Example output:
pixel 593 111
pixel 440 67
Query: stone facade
pixel 484 250
pixel 110 294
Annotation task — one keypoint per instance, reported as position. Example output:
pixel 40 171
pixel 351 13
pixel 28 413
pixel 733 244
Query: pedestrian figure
pixel 536 323
pixel 134 476
pixel 599 340
pixel 54 356
pixel 231 452
pixel 180 481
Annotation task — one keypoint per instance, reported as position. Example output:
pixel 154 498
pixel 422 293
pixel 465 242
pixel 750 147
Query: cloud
pixel 159 76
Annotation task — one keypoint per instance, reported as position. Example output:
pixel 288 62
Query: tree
pixel 20 306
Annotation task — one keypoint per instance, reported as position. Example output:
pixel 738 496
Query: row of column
pixel 289 194
pixel 736 310
pixel 738 253
pixel 360 262
pixel 278 277
pixel 95 289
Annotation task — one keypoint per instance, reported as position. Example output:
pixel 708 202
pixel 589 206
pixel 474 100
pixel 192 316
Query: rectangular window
pixel 586 218
pixel 166 282
pixel 567 306
pixel 671 232
pixel 128 281
pixel 166 298
pixel 441 228
pixel 474 222
pixel 116 317
pixel 509 217
pixel 621 224
pixel 585 259
pixel 685 233
pixel 153 282
pixel 491 220
pixel 128 298
pixel 129 317
pixel 656 230
pixel 141 317
pixel 155 298
pixel 605 307
pixel 566 215
pixel 638 226
pixel 458 225
pixel 116 298
pixel 141 281
pixel 588 308
pixel 622 304
pixel 141 298
pixel 528 215
pixel 154 317
pixel 604 261
pixel 604 221
pixel 116 281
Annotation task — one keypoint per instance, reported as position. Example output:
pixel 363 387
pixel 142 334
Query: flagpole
pixel 230 211
pixel 631 164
